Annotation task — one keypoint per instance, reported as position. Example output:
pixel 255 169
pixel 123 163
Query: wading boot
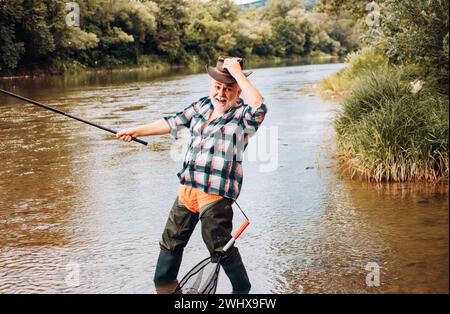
pixel 166 271
pixel 235 270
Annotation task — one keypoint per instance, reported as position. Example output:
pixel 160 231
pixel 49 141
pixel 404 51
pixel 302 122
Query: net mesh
pixel 201 279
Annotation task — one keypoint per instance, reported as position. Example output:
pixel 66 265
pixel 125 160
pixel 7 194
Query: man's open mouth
pixel 222 100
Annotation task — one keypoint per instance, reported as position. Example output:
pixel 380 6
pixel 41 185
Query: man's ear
pixel 238 96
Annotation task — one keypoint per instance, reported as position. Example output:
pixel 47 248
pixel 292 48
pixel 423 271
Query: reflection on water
pixel 72 195
pixel 402 228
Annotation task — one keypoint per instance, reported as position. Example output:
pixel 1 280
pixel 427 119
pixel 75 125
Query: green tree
pixel 416 32
pixel 11 48
pixel 344 8
pixel 171 21
pixel 253 35
pixel 41 28
pixel 281 8
pixel 212 29
pixel 119 32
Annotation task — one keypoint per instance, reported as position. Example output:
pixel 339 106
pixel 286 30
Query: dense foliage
pixel 394 122
pixel 416 33
pixel 130 32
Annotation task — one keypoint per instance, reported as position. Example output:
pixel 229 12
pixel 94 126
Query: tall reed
pixel 387 132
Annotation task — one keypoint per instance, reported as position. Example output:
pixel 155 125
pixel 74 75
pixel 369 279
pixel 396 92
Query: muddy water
pixel 83 213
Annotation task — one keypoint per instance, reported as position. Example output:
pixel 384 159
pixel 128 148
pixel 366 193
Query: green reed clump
pixel 359 62
pixel 387 132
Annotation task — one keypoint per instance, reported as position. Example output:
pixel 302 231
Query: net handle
pixel 236 235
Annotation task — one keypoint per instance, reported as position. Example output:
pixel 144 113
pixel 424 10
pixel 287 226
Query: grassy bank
pixel 391 126
pixel 339 84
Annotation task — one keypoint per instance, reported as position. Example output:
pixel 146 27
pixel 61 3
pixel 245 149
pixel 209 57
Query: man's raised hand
pixel 233 66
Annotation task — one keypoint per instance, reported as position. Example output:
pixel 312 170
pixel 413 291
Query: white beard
pixel 222 106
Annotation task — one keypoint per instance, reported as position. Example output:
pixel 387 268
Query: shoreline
pixel 162 68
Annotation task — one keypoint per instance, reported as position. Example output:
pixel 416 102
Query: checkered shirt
pixel 213 161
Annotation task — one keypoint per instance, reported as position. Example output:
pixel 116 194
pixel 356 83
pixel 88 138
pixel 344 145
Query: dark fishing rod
pixel 66 114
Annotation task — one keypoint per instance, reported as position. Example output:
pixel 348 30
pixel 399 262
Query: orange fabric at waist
pixel 195 199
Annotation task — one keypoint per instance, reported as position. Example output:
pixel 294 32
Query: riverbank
pixel 393 125
pixel 61 68
pixel 158 67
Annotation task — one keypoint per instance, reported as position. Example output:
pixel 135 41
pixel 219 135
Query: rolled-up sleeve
pixel 180 119
pixel 253 117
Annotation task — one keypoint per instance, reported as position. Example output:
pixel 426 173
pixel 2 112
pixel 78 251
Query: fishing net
pixel 203 277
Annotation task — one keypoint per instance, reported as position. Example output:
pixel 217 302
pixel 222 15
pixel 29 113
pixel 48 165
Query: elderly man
pixel 211 178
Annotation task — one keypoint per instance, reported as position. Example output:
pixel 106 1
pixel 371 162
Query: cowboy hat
pixel 222 75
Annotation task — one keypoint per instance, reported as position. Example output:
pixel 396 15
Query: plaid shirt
pixel 213 161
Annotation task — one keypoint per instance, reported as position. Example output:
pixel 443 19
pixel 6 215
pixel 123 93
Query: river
pixel 81 212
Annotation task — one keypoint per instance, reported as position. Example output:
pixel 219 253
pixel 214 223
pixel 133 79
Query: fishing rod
pixel 66 114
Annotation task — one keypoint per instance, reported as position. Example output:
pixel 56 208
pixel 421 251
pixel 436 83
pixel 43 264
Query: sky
pixel 247 1
pixel 242 1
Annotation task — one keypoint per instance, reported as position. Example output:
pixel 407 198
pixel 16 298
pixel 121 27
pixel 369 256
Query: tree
pixel 42 21
pixel 11 49
pixel 119 32
pixel 213 29
pixel 171 21
pixel 280 8
pixel 416 32
pixel 343 8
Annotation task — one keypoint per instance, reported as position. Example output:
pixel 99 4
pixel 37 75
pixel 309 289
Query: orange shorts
pixel 195 199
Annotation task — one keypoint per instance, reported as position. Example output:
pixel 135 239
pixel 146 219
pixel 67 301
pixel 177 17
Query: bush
pixel 360 62
pixel 416 32
pixel 366 59
pixel 386 132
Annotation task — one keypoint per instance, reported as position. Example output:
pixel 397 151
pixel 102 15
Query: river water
pixel 83 213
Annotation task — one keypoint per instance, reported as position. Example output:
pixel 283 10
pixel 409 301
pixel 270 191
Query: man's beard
pixel 222 103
